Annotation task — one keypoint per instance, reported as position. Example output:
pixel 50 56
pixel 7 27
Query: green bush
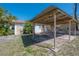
pixel 5 22
pixel 27 28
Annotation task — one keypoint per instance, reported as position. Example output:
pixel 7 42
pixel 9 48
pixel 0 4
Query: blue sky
pixel 26 11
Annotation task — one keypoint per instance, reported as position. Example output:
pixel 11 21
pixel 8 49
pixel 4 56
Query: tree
pixel 75 14
pixel 10 19
pixel 5 21
pixel 27 28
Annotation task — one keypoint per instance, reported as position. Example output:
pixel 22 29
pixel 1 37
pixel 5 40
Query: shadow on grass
pixel 29 40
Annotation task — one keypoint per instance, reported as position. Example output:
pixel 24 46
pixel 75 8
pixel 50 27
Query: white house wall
pixel 18 29
pixel 38 29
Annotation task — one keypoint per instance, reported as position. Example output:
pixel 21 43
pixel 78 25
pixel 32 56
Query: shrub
pixel 27 28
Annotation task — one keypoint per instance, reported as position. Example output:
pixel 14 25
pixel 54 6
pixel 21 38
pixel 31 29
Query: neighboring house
pixel 18 27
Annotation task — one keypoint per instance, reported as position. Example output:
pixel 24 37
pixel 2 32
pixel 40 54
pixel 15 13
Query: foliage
pixel 28 28
pixel 6 20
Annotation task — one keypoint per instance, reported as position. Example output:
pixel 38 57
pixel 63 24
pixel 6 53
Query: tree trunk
pixel 75 14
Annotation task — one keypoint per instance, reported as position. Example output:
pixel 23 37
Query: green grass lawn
pixel 16 48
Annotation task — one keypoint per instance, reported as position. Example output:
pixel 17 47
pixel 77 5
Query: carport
pixel 53 17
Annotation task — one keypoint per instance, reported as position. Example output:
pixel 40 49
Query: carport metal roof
pixel 47 16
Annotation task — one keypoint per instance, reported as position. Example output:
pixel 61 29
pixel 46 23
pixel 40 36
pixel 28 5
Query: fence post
pixel 69 29
pixel 33 30
pixel 54 30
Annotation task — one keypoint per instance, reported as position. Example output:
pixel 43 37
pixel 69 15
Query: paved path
pixel 8 38
pixel 49 43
